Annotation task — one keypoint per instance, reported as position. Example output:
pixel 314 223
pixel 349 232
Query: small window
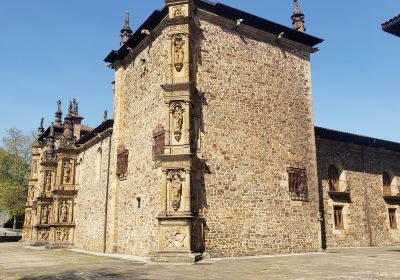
pixel 122 162
pixel 139 202
pixel 158 142
pixel 298 188
pixel 333 178
pixel 392 218
pixel 338 214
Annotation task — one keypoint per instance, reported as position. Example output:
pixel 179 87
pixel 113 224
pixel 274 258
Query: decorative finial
pixel 41 122
pixel 40 129
pixel 298 18
pixel 74 107
pixel 105 115
pixel 58 115
pixel 70 108
pixel 126 31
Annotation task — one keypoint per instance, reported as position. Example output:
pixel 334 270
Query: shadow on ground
pixel 84 275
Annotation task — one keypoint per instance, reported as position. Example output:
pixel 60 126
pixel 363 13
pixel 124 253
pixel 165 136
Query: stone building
pixel 211 151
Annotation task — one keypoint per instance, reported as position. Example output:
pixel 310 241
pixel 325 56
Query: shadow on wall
pixel 102 273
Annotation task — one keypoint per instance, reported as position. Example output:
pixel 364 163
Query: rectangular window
pixel 122 162
pixel 392 218
pixel 338 213
pixel 298 188
pixel 158 142
pixel 138 200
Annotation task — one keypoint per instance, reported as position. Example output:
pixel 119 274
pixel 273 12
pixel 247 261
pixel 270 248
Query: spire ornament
pixel 58 115
pixel 105 115
pixel 40 129
pixel 126 31
pixel 298 18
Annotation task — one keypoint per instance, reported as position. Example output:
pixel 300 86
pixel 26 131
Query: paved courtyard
pixel 20 262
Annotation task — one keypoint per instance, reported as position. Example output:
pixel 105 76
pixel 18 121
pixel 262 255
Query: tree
pixel 15 160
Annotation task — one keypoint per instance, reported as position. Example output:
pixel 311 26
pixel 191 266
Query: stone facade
pixel 364 199
pixel 211 150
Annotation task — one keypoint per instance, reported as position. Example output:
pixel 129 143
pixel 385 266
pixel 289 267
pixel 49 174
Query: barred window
pixel 158 142
pixel 298 188
pixel 122 162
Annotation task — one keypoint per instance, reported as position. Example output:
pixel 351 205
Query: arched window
pixel 333 178
pixel 98 164
pixel 387 181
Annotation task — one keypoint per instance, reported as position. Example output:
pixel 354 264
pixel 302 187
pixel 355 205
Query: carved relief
pixel 43 235
pixel 67 172
pixel 178 11
pixel 47 181
pixel 62 235
pixel 64 212
pixel 174 238
pixel 179 53
pixel 34 167
pixel 175 182
pixel 177 113
pixel 45 215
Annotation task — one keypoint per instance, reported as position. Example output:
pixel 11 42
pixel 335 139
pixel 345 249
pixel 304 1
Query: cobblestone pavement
pixel 20 262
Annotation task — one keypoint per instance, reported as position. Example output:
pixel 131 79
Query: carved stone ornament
pixel 49 154
pixel 174 238
pixel 178 11
pixel 67 172
pixel 43 235
pixel 177 113
pixel 45 215
pixel 179 53
pixel 175 182
pixel 47 181
pixel 64 212
pixel 62 235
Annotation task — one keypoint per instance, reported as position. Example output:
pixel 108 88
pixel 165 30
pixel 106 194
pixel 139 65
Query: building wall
pixel 257 122
pixel 366 218
pixel 92 170
pixel 139 108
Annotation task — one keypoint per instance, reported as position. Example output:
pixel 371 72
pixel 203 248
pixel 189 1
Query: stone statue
pixel 45 215
pixel 176 191
pixel 58 105
pixel 28 219
pixel 178 121
pixel 74 107
pixel 179 53
pixel 47 183
pixel 105 115
pixel 34 167
pixel 64 212
pixel 67 172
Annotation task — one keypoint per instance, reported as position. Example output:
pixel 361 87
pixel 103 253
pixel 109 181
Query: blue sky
pixel 55 49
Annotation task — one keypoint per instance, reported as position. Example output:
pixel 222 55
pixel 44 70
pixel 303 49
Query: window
pixel 298 188
pixel 338 215
pixel 333 178
pixel 386 184
pixel 392 218
pixel 139 202
pixel 122 162
pixel 158 142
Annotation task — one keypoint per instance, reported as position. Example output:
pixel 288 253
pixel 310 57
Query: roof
pixel 220 10
pixel 392 26
pixel 86 128
pixel 340 136
pixel 92 134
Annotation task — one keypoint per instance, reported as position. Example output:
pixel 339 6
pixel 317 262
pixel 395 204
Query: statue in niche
pixel 45 215
pixel 64 212
pixel 174 238
pixel 34 167
pixel 178 11
pixel 179 53
pixel 67 172
pixel 176 185
pixel 32 193
pixel 47 181
pixel 178 121
pixel 28 219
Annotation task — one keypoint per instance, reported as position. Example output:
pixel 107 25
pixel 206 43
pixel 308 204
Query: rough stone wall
pixel 91 198
pixel 348 158
pixel 141 110
pixel 258 121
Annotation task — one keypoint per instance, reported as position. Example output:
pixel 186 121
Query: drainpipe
pixel 366 201
pixel 106 201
